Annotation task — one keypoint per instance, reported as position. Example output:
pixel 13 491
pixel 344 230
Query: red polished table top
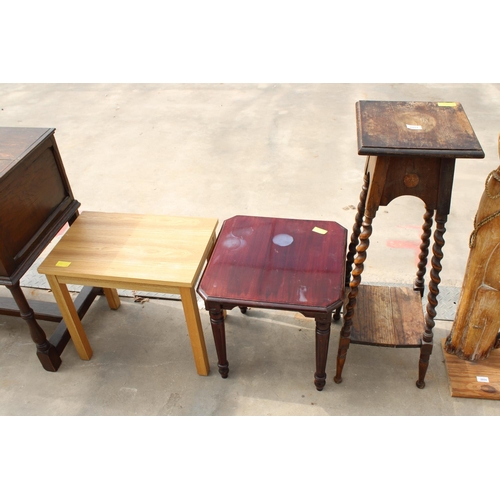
pixel 277 263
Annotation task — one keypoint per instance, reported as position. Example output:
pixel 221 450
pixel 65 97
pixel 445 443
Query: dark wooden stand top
pixel 36 202
pixel 435 129
pixel 411 149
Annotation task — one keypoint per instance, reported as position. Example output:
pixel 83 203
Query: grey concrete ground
pixel 219 150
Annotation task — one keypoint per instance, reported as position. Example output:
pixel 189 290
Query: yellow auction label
pixel 319 230
pixel 62 263
pixel 452 104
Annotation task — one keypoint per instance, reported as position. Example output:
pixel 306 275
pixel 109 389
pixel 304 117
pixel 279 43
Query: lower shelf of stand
pixel 388 316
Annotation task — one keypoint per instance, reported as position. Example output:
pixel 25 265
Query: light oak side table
pixel 153 253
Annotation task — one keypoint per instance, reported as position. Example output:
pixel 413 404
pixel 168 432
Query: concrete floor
pixel 219 150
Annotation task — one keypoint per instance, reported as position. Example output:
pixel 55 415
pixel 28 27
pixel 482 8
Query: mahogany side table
pixel 411 149
pixel 36 202
pixel 281 264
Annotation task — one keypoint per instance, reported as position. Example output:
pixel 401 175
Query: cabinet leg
pixel 323 325
pixel 46 352
pixel 219 332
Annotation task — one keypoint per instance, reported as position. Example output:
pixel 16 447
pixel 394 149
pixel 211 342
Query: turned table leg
pixel 419 283
pixel 345 333
pixel 432 302
pixel 219 332
pixel 356 230
pixel 336 313
pixel 46 352
pixel 323 326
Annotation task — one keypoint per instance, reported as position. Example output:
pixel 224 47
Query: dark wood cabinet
pixel 35 198
pixel 36 202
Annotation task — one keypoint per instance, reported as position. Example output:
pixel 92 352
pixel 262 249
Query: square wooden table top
pixel 154 250
pixel 438 129
pixel 279 263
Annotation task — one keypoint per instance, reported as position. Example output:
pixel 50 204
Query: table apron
pixel 305 310
pixel 124 285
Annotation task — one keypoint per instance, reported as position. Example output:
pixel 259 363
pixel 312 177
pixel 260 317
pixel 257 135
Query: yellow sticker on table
pixel 319 230
pixel 451 104
pixel 62 263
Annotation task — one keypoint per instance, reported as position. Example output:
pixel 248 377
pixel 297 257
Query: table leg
pixel 356 230
pixel 112 297
pixel 432 302
pixel 323 325
pixel 195 330
pixel 419 283
pixel 46 352
pixel 219 332
pixel 336 315
pixel 70 316
pixel 345 333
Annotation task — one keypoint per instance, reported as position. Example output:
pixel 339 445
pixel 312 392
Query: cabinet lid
pixel 18 142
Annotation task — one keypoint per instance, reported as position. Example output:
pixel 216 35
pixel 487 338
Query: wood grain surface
pixel 278 263
pixel 154 250
pixel 463 376
pixel 388 316
pixel 426 128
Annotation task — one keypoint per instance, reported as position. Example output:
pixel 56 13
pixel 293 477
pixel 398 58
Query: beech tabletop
pixel 287 263
pixel 146 249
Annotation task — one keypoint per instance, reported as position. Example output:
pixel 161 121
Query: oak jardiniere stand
pixel 411 148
